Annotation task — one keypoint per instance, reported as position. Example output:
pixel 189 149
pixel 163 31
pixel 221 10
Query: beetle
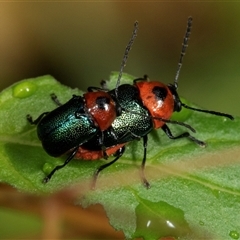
pixel 145 105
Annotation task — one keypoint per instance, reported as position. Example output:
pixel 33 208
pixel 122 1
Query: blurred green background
pixel 80 43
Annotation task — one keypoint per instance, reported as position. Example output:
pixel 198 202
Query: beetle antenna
pixel 184 47
pixel 208 111
pixel 125 57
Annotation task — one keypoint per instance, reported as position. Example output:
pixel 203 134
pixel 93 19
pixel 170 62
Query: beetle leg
pixel 92 89
pixel 103 84
pixel 101 144
pixel 55 99
pixel 144 78
pixel 144 180
pixel 119 153
pixel 167 131
pixel 70 157
pixel 35 122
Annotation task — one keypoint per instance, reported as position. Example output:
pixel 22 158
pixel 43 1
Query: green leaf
pixel 195 192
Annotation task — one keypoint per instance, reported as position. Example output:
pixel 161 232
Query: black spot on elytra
pixel 160 93
pixel 101 102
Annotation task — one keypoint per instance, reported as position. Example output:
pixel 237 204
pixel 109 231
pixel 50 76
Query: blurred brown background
pixel 80 43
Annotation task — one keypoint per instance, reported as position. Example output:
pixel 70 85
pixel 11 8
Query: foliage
pixel 195 192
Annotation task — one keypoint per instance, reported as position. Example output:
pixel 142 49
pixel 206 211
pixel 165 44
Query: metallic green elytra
pixel 128 125
pixel 24 89
pixel 66 127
